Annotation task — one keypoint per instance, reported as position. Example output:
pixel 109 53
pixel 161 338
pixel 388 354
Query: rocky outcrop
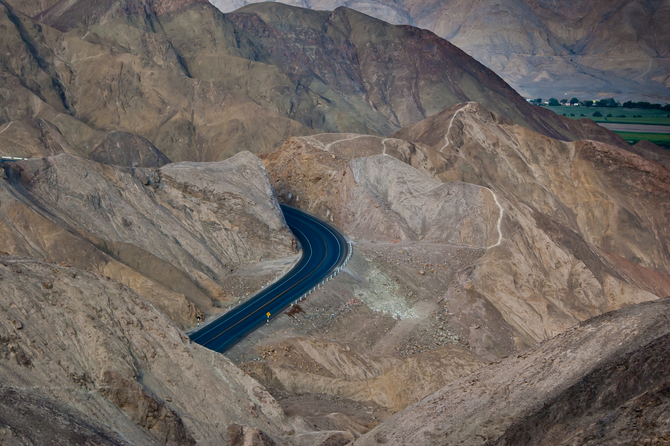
pixel 387 197
pixel 27 419
pixel 557 178
pixel 579 387
pixel 176 235
pixel 126 149
pixel 476 232
pixel 144 410
pixel 246 436
pixel 334 370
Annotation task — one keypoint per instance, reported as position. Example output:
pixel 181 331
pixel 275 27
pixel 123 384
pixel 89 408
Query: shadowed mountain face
pixel 202 86
pixel 542 48
pixel 126 149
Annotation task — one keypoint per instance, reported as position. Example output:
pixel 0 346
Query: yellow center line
pixel 278 296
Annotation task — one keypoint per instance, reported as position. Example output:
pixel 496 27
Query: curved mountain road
pixel 324 250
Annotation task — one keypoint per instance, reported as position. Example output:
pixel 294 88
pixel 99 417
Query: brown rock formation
pixel 651 151
pixel 202 86
pixel 541 48
pixel 471 231
pixel 29 419
pixel 126 149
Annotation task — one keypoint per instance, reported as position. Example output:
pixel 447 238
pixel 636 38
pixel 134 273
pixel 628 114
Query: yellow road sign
pixel 267 314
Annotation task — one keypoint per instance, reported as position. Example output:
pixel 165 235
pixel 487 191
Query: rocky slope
pixel 127 77
pixel 85 359
pixel 479 233
pixel 202 86
pixel 577 388
pixel 542 49
pixel 185 236
pixel 475 239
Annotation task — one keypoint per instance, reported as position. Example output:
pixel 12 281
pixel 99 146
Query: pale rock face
pixel 565 219
pixel 455 213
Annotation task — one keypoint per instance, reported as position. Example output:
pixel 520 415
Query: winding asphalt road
pixel 323 250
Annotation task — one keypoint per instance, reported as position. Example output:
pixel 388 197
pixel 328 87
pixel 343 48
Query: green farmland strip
pixel 660 139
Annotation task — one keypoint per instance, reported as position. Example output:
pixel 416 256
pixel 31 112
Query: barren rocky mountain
pixel 201 86
pixel 485 230
pixel 542 48
pixel 190 238
pixel 84 358
pixel 475 239
pixel 485 175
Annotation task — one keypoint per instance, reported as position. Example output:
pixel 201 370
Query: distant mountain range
pixel 545 48
pixel 199 85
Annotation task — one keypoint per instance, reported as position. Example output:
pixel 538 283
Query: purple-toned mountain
pixel 542 48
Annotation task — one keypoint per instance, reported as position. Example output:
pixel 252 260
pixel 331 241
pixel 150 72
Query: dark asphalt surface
pixel 324 249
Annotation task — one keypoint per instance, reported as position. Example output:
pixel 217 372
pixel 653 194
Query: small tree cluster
pixel 609 102
pixel 646 106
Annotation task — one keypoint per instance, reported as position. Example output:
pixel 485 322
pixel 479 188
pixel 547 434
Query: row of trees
pixel 609 102
pixel 646 106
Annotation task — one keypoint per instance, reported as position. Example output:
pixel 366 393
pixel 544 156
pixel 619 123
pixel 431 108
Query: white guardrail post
pixel 331 276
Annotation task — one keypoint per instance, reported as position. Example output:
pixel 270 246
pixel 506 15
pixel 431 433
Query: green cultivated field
pixel 660 139
pixel 649 117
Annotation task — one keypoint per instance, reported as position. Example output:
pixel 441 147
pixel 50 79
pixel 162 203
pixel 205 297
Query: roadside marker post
pixel 329 277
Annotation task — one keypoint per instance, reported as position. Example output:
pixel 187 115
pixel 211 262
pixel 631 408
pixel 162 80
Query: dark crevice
pixel 157 28
pixel 42 63
pixel 182 62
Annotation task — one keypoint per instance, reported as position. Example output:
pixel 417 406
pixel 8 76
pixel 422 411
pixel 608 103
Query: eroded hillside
pixel 577 388
pixel 480 231
pixel 84 357
pixel 476 240
pixel 541 48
